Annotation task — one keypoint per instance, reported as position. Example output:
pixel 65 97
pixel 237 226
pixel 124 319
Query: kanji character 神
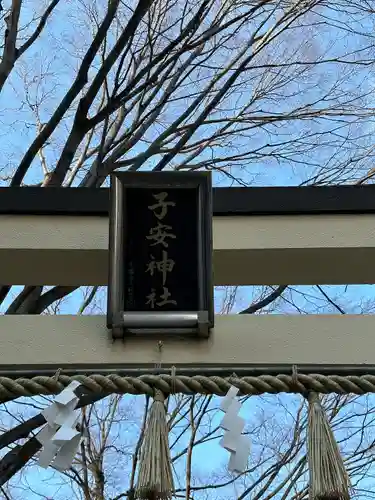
pixel 164 266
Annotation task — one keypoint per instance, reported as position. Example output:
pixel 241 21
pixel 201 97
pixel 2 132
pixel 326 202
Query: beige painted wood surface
pixel 320 249
pixel 236 339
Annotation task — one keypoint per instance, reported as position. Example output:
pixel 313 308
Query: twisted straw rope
pixel 146 384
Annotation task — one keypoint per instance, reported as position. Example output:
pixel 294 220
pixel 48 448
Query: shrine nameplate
pixel 160 250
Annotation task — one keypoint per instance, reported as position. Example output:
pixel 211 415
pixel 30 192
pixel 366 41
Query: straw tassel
pixel 155 478
pixel 328 477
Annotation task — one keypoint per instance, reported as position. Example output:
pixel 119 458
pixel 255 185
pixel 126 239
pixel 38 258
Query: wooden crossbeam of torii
pixel 261 236
pixel 81 344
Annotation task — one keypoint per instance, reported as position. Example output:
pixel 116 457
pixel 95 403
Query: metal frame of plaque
pixel 125 322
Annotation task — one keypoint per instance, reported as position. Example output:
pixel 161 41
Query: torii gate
pixel 260 236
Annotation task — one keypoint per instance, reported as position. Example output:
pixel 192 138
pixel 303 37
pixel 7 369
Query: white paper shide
pixel 59 437
pixel 233 440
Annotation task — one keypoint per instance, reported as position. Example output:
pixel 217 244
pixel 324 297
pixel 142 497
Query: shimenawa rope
pixel 147 384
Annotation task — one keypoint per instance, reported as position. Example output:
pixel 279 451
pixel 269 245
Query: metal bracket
pixel 169 323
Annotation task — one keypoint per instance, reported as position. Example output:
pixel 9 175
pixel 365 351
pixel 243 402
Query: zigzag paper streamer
pixel 59 437
pixel 233 440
